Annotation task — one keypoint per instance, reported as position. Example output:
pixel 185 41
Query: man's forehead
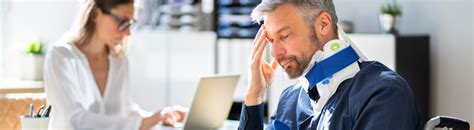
pixel 277 28
pixel 280 18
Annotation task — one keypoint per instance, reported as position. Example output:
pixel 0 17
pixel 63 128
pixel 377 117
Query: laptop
pixel 211 103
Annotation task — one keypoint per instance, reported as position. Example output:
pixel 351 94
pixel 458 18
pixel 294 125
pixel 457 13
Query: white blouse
pixel 75 98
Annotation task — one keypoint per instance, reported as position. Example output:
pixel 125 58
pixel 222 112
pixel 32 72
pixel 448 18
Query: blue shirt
pixel 375 98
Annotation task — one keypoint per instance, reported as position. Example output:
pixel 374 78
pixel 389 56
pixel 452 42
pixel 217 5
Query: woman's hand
pixel 172 116
pixel 150 122
pixel 168 116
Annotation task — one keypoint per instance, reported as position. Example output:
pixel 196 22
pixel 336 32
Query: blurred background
pixel 428 42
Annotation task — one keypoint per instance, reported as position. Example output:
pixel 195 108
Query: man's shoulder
pixel 378 75
pixel 379 91
pixel 375 78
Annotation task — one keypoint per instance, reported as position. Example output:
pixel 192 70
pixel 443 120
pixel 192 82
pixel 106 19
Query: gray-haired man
pixel 338 89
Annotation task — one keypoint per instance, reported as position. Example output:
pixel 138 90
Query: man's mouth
pixel 285 64
pixel 119 39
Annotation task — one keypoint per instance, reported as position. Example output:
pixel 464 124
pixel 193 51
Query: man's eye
pixel 284 37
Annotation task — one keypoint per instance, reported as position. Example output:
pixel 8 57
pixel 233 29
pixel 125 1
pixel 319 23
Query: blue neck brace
pixel 328 67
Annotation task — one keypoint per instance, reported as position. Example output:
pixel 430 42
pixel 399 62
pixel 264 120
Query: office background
pixel 449 24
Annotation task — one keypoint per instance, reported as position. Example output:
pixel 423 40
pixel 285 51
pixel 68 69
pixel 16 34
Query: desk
pixel 14 105
pixel 19 86
pixel 228 125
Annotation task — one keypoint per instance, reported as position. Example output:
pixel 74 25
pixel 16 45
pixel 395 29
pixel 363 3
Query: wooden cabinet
pixel 413 64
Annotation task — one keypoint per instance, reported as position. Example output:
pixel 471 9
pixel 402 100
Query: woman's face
pixel 107 25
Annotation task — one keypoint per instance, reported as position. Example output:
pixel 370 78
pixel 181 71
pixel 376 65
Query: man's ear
pixel 323 24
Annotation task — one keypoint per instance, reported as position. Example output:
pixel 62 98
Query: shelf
pixel 232 18
pixel 8 86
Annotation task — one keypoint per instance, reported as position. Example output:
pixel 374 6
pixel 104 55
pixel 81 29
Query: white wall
pixel 3 8
pixel 450 26
pixel 26 20
pixel 165 66
pixel 233 58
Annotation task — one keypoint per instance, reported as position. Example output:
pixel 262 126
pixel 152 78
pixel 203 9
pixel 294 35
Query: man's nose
pixel 277 50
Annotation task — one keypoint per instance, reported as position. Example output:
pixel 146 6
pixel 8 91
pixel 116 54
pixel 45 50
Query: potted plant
pixel 389 17
pixel 33 59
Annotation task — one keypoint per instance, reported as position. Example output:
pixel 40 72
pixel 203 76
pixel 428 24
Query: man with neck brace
pixel 338 88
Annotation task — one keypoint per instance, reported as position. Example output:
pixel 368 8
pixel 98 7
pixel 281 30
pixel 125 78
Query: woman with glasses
pixel 86 74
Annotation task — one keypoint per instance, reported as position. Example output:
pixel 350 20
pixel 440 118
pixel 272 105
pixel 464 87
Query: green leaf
pixel 34 48
pixel 391 8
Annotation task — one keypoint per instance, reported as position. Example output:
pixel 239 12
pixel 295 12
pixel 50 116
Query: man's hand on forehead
pixel 261 72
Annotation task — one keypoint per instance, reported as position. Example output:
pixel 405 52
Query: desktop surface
pixel 227 125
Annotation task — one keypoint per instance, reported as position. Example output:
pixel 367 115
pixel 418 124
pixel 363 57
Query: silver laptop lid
pixel 212 102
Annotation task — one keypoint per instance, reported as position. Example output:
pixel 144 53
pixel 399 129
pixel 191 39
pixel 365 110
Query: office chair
pixel 447 122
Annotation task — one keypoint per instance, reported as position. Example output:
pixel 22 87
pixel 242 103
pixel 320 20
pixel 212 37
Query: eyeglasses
pixel 123 24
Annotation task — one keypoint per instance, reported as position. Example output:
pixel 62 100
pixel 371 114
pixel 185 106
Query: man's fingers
pixel 261 36
pixel 259 33
pixel 255 41
pixel 260 41
pixel 259 53
pixel 274 64
pixel 269 67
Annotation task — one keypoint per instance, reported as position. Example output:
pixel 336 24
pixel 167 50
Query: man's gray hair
pixel 309 9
